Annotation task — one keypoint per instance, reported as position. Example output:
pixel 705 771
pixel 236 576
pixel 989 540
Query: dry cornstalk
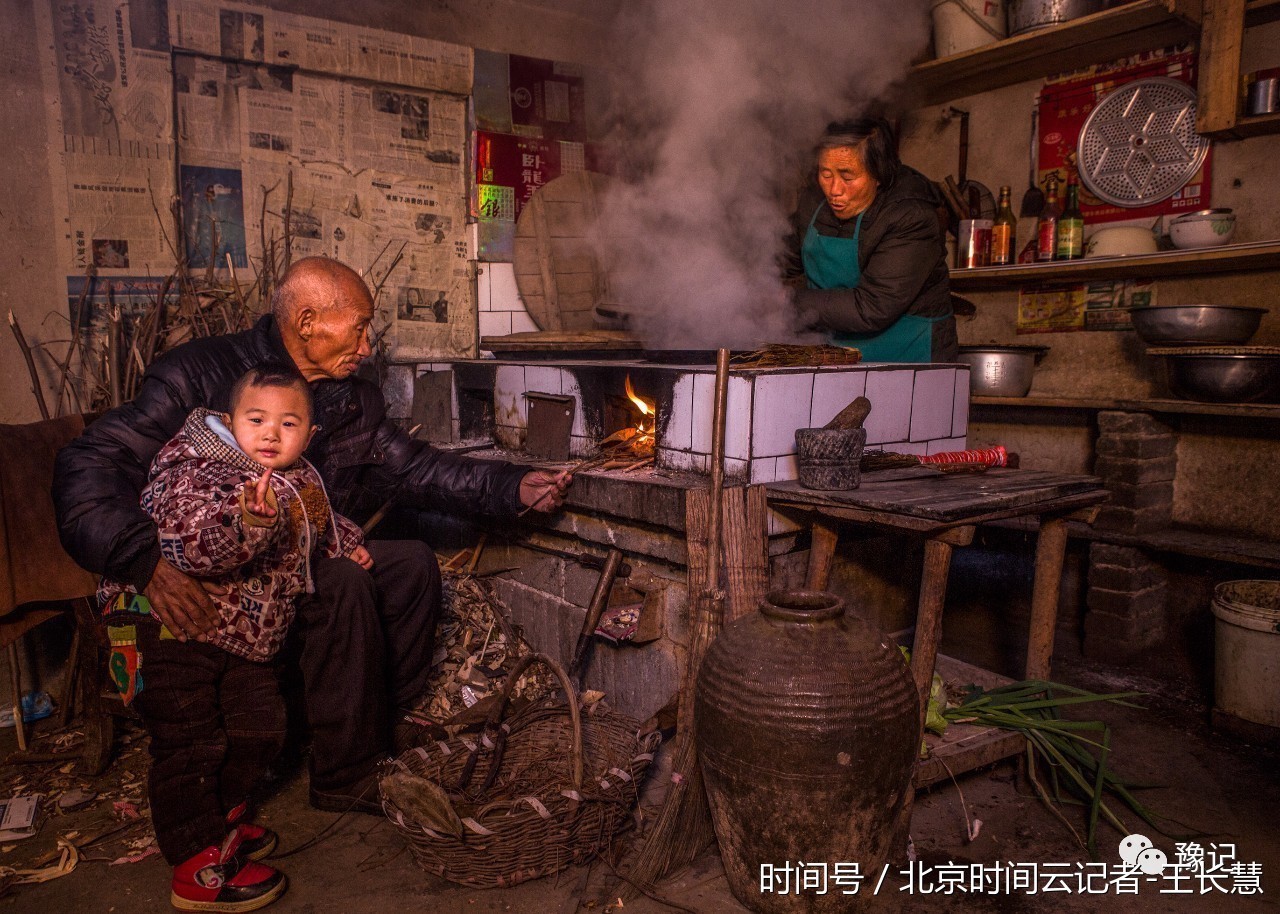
pixel 36 387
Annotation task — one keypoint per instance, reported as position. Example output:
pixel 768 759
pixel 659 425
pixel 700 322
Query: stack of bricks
pixel 1127 589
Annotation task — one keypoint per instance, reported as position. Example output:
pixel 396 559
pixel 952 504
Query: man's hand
pixel 544 490
pixel 361 557
pixel 182 603
pixel 257 498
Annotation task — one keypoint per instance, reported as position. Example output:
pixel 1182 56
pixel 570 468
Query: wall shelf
pixel 1231 258
pixel 1100 38
pixel 1174 407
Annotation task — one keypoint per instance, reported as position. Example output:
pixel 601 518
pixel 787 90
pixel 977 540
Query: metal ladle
pixel 1033 199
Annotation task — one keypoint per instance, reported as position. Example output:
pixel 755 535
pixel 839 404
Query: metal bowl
pixel 1225 378
pixel 1186 324
pixel 1001 371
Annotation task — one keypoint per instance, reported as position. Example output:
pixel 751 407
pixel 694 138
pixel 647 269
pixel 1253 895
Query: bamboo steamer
pixel 808 726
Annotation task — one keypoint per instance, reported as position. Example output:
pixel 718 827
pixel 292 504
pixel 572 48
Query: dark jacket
pixel 902 256
pixel 363 457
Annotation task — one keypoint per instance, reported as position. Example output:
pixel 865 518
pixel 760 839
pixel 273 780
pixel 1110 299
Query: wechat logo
pixel 1138 852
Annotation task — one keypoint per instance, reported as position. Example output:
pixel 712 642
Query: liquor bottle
pixel 1071 226
pixel 1047 224
pixel 1004 231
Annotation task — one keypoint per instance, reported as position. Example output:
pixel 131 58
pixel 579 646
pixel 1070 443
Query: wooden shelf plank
pixel 1231 258
pixel 1220 546
pixel 965 747
pixel 1260 12
pixel 1102 37
pixel 1249 125
pixel 1177 407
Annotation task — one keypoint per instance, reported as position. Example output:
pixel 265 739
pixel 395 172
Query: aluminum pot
pixel 1001 371
pixel 1215 378
pixel 1186 324
pixel 1029 15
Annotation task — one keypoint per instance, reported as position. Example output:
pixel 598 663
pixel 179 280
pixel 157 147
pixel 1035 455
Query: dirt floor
pixel 1221 790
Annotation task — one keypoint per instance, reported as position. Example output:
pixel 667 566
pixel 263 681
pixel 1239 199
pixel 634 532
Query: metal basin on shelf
pixel 1199 324
pixel 1001 371
pixel 1225 378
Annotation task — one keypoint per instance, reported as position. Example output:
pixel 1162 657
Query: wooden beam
pixel 1221 38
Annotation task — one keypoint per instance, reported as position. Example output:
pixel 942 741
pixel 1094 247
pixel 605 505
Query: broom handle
pixel 717 475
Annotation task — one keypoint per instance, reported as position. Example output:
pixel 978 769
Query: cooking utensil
pixel 612 562
pixel 1224 374
pixel 1001 371
pixel 1187 324
pixel 1033 196
pixel 1202 230
pixel 1263 95
pixel 1030 15
pixel 852 416
pixel 1139 145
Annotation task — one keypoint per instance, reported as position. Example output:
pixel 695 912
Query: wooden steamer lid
pixel 558 270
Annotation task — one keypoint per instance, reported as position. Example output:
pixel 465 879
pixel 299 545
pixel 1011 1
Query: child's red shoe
pixel 221 879
pixel 256 842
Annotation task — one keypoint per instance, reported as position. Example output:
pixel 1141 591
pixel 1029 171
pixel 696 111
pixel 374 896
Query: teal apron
pixel 832 263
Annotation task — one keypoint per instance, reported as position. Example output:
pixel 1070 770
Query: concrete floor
pixel 1222 788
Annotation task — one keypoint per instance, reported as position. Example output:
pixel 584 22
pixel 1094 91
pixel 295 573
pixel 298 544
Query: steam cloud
pixel 721 101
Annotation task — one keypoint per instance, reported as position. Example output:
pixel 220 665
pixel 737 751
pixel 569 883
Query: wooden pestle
pixel 852 416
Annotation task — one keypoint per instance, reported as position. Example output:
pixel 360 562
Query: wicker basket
pixel 555 787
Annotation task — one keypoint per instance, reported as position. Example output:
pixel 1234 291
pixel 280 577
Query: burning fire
pixel 639 438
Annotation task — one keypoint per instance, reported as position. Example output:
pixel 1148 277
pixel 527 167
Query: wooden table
pixel 945 509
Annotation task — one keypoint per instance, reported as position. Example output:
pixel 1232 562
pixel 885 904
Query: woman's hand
pixel 361 557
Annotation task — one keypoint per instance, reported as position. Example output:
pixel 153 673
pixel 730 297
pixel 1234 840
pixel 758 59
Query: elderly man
pixel 367 636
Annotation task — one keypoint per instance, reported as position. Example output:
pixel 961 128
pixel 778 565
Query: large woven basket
pixel 554 788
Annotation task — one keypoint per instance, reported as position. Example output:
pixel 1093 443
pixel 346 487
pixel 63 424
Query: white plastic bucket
pixel 1246 679
pixel 962 25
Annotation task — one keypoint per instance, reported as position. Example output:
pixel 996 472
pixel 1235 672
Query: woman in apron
pixel 867 257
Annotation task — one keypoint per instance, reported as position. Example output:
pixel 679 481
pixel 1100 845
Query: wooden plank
pixel 1218 80
pixel 1175 407
pixel 965 747
pixel 946 497
pixel 1230 258
pixel 1051 546
pixel 822 550
pixel 563 341
pixel 1099 38
pixel 745 552
pixel 548 315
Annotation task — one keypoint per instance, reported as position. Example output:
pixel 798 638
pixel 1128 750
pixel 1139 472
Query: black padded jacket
pixel 902 256
pixel 363 457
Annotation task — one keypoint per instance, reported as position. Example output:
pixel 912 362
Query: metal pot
pixel 1241 378
pixel 1264 92
pixel 1001 371
pixel 1029 15
pixel 1184 324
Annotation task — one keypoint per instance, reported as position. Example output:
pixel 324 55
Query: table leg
pixel 933 593
pixel 821 554
pixel 1051 546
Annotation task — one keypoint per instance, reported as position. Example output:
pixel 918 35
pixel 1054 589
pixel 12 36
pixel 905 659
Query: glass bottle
pixel 1047 224
pixel 1071 226
pixel 1004 231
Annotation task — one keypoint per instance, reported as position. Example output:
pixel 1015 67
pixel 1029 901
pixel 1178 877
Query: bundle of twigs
pixel 103 361
pixel 783 355
pixel 1075 754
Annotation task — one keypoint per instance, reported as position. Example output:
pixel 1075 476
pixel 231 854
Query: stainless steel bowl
pixel 1179 324
pixel 1225 378
pixel 1001 371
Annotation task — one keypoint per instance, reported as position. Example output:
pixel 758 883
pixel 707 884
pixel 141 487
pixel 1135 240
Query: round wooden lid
pixel 558 270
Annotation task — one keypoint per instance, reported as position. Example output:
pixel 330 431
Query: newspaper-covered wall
pixel 359 133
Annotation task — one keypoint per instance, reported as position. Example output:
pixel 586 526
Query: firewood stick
pixel 580 465
pixel 36 387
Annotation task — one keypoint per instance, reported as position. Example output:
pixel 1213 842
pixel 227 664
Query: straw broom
pixel 683 827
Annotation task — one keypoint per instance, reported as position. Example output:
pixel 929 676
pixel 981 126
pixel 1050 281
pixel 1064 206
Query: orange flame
pixel 640 438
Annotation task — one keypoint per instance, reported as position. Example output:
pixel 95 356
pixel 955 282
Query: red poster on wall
pixel 1065 105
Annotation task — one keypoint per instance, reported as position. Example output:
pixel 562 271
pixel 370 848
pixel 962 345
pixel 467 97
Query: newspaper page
pixel 260 35
pixel 111 121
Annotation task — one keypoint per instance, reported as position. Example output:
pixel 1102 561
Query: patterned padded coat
pixel 196 499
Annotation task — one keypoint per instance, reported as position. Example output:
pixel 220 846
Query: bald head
pixel 318 283
pixel 323 310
